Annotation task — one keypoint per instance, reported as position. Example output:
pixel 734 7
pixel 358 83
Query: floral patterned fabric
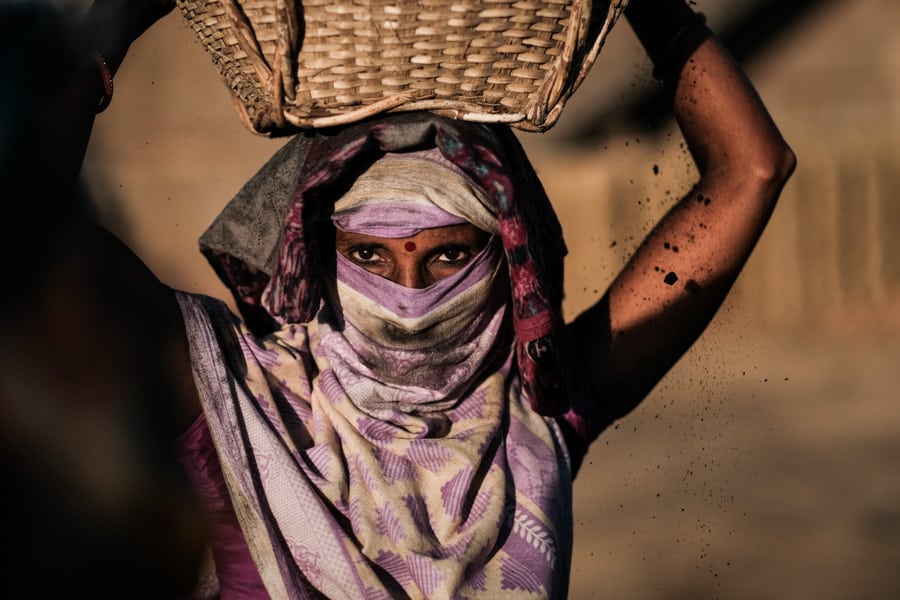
pixel 491 156
pixel 473 502
pixel 345 483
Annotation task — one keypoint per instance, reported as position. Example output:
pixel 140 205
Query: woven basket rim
pixel 326 63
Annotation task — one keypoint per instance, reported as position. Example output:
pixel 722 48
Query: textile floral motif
pixel 351 484
pixel 363 511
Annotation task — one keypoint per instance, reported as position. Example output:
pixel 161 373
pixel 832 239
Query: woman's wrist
pixel 109 28
pixel 112 25
pixel 670 31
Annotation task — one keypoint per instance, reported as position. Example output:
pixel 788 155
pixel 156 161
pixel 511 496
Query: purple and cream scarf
pixel 354 475
pixel 279 280
pixel 415 350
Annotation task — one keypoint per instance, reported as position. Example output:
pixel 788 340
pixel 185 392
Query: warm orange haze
pixel 766 464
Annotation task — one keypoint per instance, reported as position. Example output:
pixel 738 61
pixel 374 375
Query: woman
pixel 401 410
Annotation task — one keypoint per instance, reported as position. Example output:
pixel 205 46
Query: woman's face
pixel 417 261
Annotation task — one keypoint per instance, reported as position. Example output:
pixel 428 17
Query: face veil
pixel 407 349
pixel 276 278
pixel 392 454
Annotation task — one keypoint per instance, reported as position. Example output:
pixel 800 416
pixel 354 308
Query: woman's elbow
pixel 772 169
pixel 785 163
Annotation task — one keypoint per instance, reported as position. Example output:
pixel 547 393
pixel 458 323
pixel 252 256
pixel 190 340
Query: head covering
pixel 397 349
pixel 281 282
pixel 402 194
pixel 364 462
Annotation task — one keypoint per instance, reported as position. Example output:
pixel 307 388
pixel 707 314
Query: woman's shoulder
pixel 219 338
pixel 200 308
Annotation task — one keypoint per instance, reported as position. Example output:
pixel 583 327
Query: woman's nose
pixel 408 274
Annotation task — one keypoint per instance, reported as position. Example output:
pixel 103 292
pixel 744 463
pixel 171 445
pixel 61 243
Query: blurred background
pixel 767 463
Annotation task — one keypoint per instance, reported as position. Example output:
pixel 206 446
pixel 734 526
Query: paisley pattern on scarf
pixel 490 156
pixel 470 502
pixel 363 466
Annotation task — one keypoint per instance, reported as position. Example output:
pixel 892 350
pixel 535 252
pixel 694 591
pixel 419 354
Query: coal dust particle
pixel 656 169
pixel 671 278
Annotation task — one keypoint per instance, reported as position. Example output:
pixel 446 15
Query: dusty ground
pixel 765 465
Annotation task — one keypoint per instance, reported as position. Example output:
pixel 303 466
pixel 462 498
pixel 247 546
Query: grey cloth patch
pixel 250 226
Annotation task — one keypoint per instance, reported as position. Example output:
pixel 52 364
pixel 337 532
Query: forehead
pixel 463 233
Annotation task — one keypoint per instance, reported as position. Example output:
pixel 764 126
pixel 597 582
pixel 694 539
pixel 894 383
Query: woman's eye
pixel 453 255
pixel 363 255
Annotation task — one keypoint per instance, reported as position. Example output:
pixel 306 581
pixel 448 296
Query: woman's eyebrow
pixel 357 243
pixel 458 246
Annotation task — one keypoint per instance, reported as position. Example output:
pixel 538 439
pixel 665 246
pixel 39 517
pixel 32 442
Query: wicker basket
pixel 331 62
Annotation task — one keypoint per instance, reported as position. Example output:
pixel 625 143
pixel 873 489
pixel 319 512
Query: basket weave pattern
pixel 328 62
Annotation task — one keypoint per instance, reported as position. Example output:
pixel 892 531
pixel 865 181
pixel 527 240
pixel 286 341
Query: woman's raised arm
pixel 678 277
pixel 91 305
pixel 95 381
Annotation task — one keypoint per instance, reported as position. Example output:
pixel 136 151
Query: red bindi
pixel 409 246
